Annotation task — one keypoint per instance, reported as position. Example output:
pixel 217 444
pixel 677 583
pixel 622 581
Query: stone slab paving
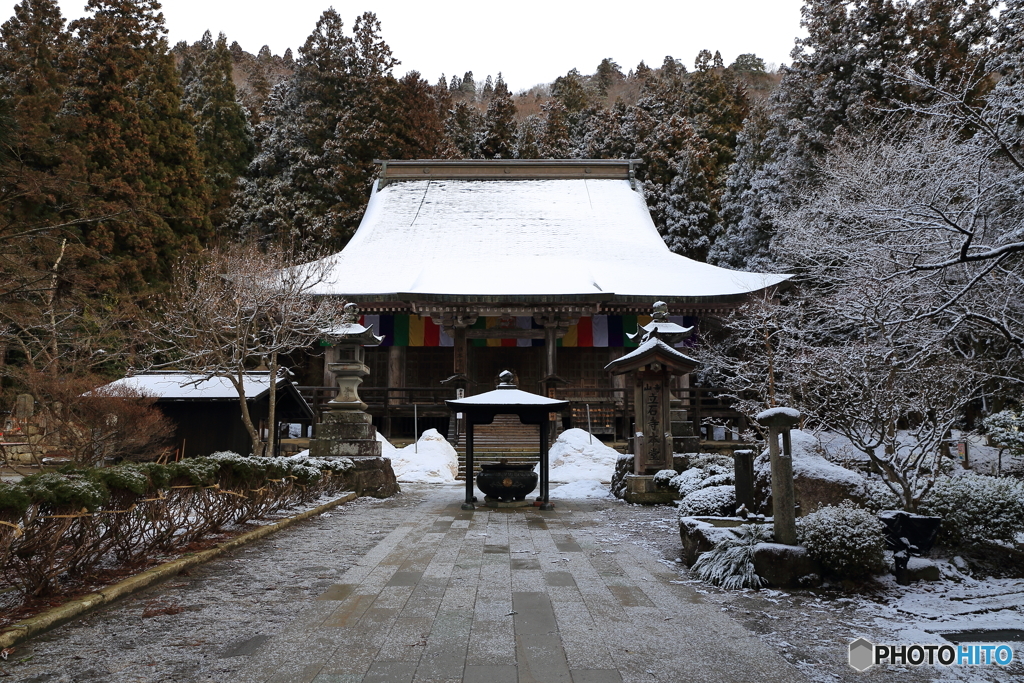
pixel 516 596
pixel 414 589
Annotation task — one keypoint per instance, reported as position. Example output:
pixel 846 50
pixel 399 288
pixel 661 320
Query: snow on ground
pixel 579 490
pixel 981 458
pixel 432 460
pixel 573 458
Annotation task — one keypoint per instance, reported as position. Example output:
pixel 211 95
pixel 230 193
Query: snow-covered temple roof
pixel 446 231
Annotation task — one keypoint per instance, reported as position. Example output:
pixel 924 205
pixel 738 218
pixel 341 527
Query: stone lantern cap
pixel 508 396
pixel 350 330
pixel 782 418
pixel 661 328
pixel 653 351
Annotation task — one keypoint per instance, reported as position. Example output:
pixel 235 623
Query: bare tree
pixel 232 310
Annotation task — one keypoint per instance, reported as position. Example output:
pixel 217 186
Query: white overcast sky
pixel 529 41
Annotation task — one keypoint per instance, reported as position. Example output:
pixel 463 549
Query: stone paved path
pixel 415 589
pixel 518 596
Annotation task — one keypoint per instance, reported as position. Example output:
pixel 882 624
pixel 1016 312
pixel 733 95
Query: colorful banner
pixel 599 331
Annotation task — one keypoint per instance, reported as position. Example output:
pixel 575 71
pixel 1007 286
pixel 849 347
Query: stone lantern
pixel 653 363
pixel 347 429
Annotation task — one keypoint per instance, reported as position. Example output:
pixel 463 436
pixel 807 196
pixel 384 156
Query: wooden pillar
pixel 460 351
pixel 550 350
pixel 468 505
pixel 396 366
pixel 330 356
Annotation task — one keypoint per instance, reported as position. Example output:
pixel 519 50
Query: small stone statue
pixel 351 314
pixel 660 313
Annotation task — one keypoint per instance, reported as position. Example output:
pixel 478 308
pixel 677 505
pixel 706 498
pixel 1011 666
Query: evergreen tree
pixel 468 86
pixel 608 72
pixel 223 134
pixel 499 124
pixel 1005 105
pixel 949 37
pixel 528 137
pixel 463 126
pixel 571 92
pixel 321 131
pixel 703 61
pixel 556 141
pixel 417 127
pixel 126 120
pixel 488 90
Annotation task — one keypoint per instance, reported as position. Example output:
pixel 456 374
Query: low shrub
pixel 848 541
pixel 976 507
pixel 730 564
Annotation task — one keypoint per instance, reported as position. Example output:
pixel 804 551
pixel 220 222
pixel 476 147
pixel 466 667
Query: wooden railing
pixel 610 408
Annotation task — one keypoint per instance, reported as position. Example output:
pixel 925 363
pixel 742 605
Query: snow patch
pixel 578 490
pixel 435 463
pixel 573 458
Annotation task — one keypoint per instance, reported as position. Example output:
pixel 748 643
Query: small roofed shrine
pixel 507 399
pixel 469 267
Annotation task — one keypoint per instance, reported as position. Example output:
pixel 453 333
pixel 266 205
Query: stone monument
pixel 346 429
pixel 653 363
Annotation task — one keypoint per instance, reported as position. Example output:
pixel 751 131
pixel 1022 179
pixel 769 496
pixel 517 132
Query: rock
pixel 372 477
pixel 961 565
pixel 918 569
pixel 786 566
pixel 816 481
pixel 700 534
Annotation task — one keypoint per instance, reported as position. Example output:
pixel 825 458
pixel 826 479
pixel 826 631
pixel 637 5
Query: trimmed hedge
pixel 58 526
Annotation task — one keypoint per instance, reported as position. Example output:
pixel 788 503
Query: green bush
pixel 976 507
pixel 848 541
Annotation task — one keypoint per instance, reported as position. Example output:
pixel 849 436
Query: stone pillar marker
pixel 743 468
pixel 779 422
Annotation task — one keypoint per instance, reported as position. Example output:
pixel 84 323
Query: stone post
pixel 779 422
pixel 743 467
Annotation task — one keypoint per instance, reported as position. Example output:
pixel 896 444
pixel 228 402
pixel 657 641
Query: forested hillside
pixel 120 153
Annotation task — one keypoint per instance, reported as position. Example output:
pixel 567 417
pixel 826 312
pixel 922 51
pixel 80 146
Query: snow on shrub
pixel 704 472
pixel 880 496
pixel 976 507
pixel 730 564
pixel 715 501
pixel 848 541
pixel 663 477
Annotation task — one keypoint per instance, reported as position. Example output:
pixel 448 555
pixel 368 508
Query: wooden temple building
pixel 541 267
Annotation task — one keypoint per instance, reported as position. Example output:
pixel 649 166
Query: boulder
pixel 918 569
pixel 371 477
pixel 816 481
pixel 786 566
pixel 700 534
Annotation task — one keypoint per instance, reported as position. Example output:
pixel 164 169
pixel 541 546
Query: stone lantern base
pixel 641 489
pixel 346 434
